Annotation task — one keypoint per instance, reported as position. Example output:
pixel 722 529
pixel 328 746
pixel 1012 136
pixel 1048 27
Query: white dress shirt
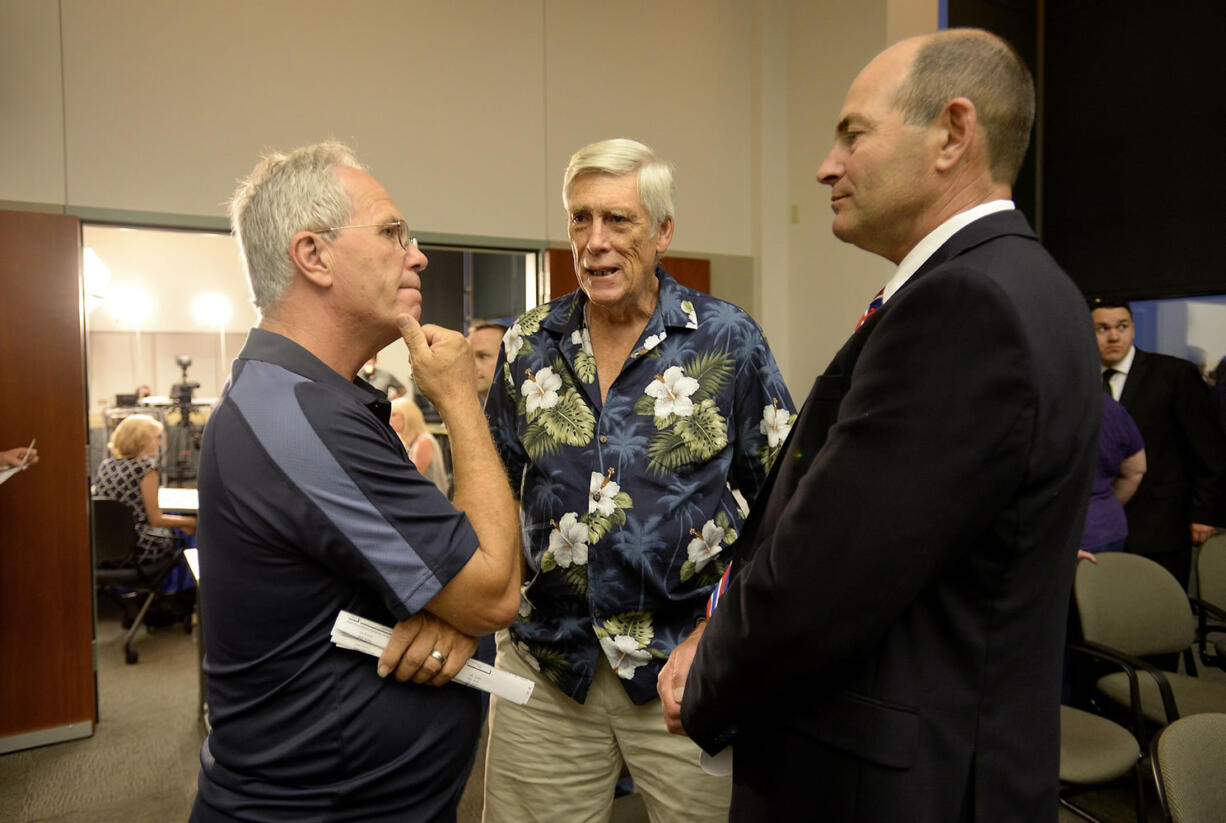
pixel 935 239
pixel 1122 367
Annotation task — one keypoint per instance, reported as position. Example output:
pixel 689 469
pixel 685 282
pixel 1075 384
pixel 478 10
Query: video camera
pixel 182 392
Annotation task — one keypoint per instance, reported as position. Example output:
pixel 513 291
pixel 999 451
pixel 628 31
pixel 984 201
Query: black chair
pixel 114 552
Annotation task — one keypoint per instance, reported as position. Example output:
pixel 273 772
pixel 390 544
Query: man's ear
pixel 958 122
pixel 311 257
pixel 664 236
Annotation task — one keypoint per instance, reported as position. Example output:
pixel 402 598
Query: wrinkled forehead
pixel 872 92
pixel 601 190
pixel 367 194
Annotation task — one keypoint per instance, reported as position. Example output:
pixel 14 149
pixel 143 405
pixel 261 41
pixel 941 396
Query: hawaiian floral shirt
pixel 627 509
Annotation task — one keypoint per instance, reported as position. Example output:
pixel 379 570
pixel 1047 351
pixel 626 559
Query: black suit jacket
pixel 890 648
pixel 1185 451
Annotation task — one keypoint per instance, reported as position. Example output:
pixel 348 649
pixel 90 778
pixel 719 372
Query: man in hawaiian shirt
pixel 626 413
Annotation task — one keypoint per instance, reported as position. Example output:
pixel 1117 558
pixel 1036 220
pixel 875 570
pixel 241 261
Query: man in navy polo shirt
pixel 309 505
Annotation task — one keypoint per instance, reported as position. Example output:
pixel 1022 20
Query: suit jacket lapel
pixel 794 458
pixel 1132 383
pixel 997 224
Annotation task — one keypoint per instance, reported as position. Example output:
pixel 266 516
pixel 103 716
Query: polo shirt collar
pixel 270 347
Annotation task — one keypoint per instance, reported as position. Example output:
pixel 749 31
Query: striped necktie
pixel 872 307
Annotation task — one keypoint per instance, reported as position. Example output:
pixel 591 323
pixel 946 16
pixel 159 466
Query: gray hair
pixel 621 156
pixel 283 195
pixel 986 70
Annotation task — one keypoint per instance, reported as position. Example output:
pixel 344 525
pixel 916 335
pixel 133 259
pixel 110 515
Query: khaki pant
pixel 558 760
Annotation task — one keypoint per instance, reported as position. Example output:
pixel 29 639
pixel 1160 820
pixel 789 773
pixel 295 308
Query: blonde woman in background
pixel 424 450
pixel 131 477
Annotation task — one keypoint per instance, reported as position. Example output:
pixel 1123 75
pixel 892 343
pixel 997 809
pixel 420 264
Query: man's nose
pixel 830 170
pixel 598 236
pixel 417 258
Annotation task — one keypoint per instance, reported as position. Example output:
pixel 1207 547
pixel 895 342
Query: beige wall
pixel 467 111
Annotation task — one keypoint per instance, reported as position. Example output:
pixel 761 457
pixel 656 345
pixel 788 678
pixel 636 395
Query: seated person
pixel 424 450
pixel 131 477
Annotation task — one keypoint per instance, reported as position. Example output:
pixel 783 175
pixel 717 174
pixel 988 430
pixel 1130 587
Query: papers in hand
pixel 9 471
pixel 361 635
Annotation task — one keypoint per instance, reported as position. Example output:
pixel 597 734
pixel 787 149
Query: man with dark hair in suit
pixel 1183 495
pixel 889 647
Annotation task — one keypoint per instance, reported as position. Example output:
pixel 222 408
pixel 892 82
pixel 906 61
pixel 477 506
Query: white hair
pixel 621 156
pixel 283 195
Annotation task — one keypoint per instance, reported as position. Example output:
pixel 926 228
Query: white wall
pixel 829 282
pixel 467 111
pixel 119 361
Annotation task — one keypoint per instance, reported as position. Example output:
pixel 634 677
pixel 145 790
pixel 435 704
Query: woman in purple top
pixel 1121 464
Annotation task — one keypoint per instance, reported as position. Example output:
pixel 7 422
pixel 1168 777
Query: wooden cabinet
pixel 46 574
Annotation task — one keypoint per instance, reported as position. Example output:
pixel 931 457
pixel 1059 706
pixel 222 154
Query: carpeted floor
pixel 140 766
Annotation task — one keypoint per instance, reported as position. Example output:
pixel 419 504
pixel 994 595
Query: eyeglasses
pixel 402 229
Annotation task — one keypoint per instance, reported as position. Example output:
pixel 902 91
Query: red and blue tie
pixel 872 307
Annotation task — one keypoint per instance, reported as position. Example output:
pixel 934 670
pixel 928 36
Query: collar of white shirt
pixel 1124 365
pixel 935 239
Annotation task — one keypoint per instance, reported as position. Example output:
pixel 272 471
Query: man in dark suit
pixel 890 648
pixel 1183 495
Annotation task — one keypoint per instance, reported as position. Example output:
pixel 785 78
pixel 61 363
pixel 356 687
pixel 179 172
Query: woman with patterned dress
pixel 131 477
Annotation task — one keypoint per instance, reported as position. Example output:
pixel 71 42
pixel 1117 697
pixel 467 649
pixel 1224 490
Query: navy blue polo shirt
pixel 309 505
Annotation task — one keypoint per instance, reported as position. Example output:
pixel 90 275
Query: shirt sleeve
pixel 502 411
pixel 763 411
pixel 351 499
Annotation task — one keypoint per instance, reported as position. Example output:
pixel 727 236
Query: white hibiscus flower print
pixel 568 542
pixel 580 337
pixel 672 392
pixel 654 340
pixel 512 342
pixel 601 492
pixel 705 546
pixel 540 390
pixel 775 425
pixel 624 654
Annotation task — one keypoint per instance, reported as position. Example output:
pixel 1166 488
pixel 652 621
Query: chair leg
pixel 130 654
pixel 1077 810
pixel 1139 790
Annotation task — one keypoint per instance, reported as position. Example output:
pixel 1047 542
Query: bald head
pixel 982 68
pixel 910 148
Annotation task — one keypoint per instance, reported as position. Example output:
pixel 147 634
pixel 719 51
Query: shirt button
pixel 597 613
pixel 604 438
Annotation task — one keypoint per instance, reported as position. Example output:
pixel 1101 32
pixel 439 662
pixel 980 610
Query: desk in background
pixel 178 500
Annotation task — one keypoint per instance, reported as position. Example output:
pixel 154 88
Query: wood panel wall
pixel 694 272
pixel 46 607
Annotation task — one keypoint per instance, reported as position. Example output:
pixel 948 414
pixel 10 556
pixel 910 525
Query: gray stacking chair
pixel 1189 760
pixel 1130 608
pixel 1211 608
pixel 1095 751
